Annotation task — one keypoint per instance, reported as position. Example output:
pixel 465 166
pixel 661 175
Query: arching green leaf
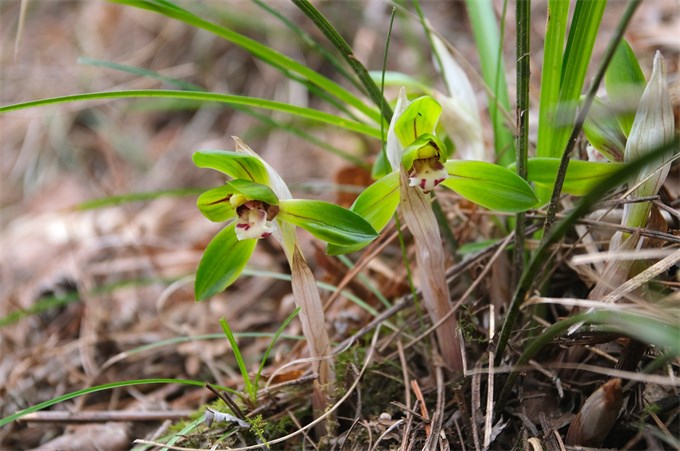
pixel 222 263
pixel 328 222
pixel 234 164
pixel 489 185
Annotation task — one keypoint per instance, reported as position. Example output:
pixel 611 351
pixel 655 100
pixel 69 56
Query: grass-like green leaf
pixel 309 40
pixel 581 177
pixel 286 65
pixel 541 256
pixel 400 79
pixel 660 332
pixel 625 83
pixel 582 34
pixel 328 222
pixel 181 84
pixel 348 54
pixel 251 389
pixel 307 113
pixel 98 388
pixel 234 164
pixel 222 262
pixel 490 185
pixel 489 46
pixel 272 342
pixel 551 74
pixel 111 201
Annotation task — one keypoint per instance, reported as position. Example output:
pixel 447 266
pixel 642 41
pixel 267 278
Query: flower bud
pixel 597 416
pixel 653 127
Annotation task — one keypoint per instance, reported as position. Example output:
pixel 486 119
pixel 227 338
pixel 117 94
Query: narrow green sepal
pixel 214 204
pixel 421 116
pixel 234 164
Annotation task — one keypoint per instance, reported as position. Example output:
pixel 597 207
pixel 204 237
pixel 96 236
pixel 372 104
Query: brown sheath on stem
pixel 420 220
pixel 311 316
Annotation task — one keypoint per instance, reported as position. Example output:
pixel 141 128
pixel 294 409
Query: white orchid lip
pixel 254 220
pixel 427 174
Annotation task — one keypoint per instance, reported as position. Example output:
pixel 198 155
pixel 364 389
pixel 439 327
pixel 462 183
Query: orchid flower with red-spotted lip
pixel 413 146
pixel 257 203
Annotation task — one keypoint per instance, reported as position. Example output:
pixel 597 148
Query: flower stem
pixel 421 221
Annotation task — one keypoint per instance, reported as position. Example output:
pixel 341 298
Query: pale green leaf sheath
pixel 653 126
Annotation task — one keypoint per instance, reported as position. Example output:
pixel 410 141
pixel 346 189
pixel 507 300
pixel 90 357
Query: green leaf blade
pixel 582 35
pixel 233 100
pixel 581 176
pixel 223 261
pixel 551 73
pixel 376 204
pixel 490 185
pixel 288 66
pixel 328 222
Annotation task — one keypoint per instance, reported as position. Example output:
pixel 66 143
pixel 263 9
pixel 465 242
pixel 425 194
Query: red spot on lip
pixel 243 226
pixel 438 181
pixel 422 183
pixel 265 234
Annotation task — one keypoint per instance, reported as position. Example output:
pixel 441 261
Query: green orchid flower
pixel 412 144
pixel 256 203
